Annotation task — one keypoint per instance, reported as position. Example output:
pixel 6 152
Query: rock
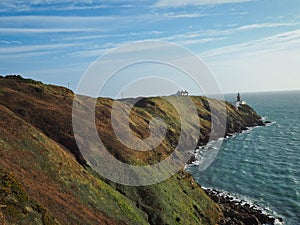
pixel 192 159
pixel 239 212
pixel 252 220
pixel 247 206
pixel 27 210
pixel 261 123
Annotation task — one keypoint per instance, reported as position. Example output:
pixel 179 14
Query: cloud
pixel 10 42
pixel 191 38
pixel 226 32
pixel 183 3
pixel 42 30
pixel 270 63
pixel 276 43
pixel 118 35
pixel 50 24
pixel 50 20
pixel 185 15
pixel 264 25
pixel 57 5
pixel 204 36
pixel 56 24
pixel 199 41
pixel 34 48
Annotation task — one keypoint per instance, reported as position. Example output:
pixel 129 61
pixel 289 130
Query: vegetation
pixel 49 182
pixel 18 207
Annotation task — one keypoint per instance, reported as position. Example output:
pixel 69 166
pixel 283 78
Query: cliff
pixel 45 178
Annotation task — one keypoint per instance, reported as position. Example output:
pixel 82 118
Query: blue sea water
pixel 263 165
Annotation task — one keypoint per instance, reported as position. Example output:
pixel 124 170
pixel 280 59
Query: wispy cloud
pixel 203 36
pixel 57 5
pixel 70 23
pixel 118 35
pixel 184 15
pixel 9 5
pixel 270 63
pixel 191 38
pixel 66 22
pixel 42 30
pixel 280 42
pixel 199 41
pixel 34 48
pixel 265 25
pixel 182 3
pixel 6 42
pixel 233 28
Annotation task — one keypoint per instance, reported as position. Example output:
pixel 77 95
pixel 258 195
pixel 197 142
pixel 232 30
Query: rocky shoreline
pixel 239 212
pixel 260 123
pixel 236 211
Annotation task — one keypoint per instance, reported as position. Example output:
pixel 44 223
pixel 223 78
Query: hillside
pixel 46 180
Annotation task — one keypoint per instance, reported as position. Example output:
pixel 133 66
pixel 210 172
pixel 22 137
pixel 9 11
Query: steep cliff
pixel 39 155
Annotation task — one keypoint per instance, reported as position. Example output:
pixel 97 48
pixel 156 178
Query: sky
pixel 248 45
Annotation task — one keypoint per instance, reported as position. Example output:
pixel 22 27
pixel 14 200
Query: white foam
pixel 242 200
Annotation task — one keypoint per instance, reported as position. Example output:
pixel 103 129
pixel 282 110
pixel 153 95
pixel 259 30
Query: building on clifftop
pixel 182 93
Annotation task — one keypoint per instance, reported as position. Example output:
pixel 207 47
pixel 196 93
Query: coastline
pixel 179 199
pixel 235 210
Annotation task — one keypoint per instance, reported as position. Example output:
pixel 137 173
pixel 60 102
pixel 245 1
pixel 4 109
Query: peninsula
pixel 44 178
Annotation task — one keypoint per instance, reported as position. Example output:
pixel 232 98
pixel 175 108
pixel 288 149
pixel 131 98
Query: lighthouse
pixel 238 97
pixel 239 102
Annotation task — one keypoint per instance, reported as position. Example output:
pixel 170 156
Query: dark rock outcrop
pixel 239 212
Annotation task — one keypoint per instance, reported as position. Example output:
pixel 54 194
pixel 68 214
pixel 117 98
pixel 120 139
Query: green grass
pixel 20 208
pixel 50 182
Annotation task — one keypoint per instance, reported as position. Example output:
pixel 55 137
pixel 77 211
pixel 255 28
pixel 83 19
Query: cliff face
pixel 39 155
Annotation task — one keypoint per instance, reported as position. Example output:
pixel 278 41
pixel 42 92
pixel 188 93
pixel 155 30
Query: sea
pixel 262 165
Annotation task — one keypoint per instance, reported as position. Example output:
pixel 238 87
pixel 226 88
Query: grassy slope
pixel 18 206
pixel 52 177
pixel 38 147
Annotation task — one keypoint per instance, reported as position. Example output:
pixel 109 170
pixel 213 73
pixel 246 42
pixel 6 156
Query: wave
pixel 205 155
pixel 245 201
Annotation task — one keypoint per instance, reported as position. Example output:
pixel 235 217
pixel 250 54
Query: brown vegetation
pixel 52 181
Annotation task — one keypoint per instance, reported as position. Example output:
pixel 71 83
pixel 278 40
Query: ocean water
pixel 262 165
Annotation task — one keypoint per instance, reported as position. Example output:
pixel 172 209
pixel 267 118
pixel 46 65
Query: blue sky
pixel 250 45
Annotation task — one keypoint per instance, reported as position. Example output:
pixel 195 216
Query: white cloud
pixel 10 42
pixel 50 20
pixel 182 3
pixel 185 15
pixel 91 52
pixel 265 25
pixel 42 30
pixel 34 48
pixel 56 5
pixel 204 36
pixel 100 36
pixel 68 23
pixel 199 41
pixel 193 41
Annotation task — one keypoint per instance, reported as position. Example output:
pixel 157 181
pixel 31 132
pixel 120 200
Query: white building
pixel 182 93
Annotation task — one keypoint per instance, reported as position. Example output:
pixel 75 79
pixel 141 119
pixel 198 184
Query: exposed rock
pixel 237 212
pixel 252 220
